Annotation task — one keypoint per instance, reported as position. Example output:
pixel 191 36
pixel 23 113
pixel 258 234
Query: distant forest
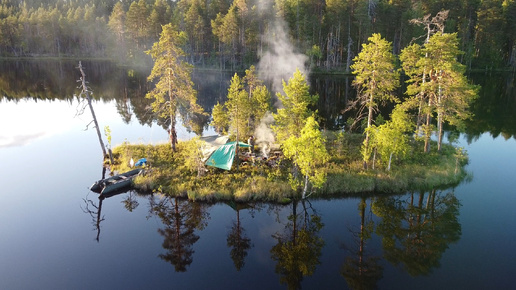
pixel 233 34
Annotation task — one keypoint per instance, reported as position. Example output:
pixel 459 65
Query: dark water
pixel 51 236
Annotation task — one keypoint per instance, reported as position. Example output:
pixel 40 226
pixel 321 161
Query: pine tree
pixel 174 90
pixel 376 78
pixel 453 93
pixel 248 102
pixel 437 82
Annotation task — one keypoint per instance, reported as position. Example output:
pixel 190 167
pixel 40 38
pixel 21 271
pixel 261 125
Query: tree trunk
pixel 350 43
pixel 88 97
pixel 374 158
pixel 440 137
pixel 427 133
pixel 369 122
pixel 172 133
pixel 439 117
pixel 305 189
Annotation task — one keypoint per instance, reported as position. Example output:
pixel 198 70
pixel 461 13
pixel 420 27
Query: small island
pixel 183 173
pixel 373 153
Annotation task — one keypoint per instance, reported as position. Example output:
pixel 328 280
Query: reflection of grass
pixel 176 173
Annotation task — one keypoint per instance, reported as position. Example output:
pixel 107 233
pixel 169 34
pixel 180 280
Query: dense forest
pixel 233 34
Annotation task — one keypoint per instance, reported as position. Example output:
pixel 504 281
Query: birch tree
pixel 296 103
pixel 308 152
pixel 391 139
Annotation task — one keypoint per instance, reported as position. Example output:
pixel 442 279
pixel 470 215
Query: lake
pixel 53 236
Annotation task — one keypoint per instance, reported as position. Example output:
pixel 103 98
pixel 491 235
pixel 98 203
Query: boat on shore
pixel 115 183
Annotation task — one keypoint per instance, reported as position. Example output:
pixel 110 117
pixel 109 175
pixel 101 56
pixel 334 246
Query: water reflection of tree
pixel 95 211
pixel 362 271
pixel 130 203
pixel 237 240
pixel 181 218
pixel 494 109
pixel 417 229
pixel 299 247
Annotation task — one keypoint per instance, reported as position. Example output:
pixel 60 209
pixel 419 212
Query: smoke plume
pixel 280 59
pixel 264 135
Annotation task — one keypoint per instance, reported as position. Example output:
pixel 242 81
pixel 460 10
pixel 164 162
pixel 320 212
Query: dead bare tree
pixel 432 25
pixel 86 92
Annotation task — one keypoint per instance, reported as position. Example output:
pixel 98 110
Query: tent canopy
pixel 211 143
pixel 223 156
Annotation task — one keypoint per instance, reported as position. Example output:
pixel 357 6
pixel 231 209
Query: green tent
pixel 224 155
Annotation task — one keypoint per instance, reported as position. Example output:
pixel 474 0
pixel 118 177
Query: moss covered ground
pixel 179 174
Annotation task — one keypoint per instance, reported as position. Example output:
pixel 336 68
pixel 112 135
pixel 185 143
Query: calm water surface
pixel 51 237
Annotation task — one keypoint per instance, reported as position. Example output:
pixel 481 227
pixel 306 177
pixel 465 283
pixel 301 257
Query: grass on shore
pixel 177 174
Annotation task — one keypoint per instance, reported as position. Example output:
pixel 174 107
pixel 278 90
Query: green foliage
pixel 308 152
pixel 248 102
pixel 231 32
pixel 437 82
pixel 239 108
pixel 107 132
pixel 375 77
pixel 296 103
pixel 174 90
pixel 220 119
pixel 375 72
pixel 392 137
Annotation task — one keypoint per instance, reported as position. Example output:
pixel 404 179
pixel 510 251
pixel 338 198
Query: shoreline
pixel 180 174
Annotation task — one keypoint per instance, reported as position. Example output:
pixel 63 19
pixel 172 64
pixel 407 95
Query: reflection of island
pixel 237 239
pixel 181 218
pixel 417 231
pixel 362 271
pixel 299 247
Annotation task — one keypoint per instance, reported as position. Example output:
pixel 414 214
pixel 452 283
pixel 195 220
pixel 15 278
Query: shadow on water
pixel 362 269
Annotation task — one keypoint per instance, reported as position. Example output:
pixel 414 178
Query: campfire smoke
pixel 280 59
pixel 264 135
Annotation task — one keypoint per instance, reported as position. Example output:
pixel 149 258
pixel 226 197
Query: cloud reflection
pixel 19 140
